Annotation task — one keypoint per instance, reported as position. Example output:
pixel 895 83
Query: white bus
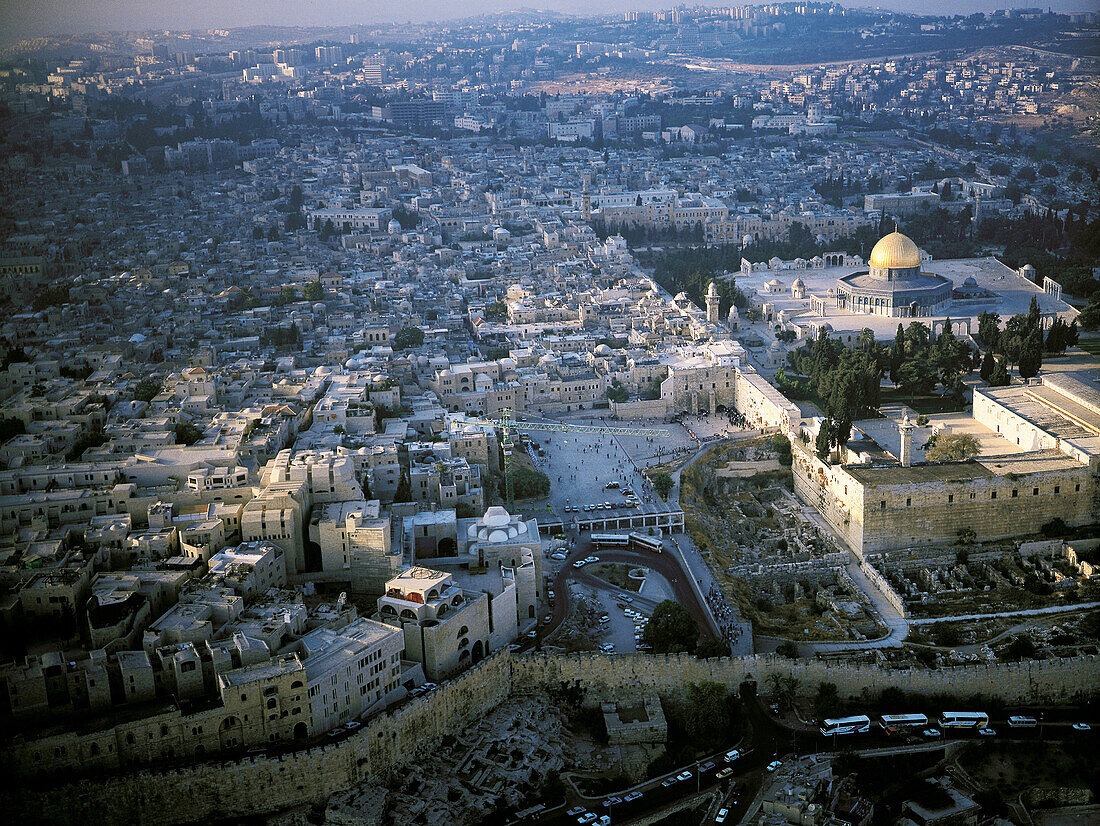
pixel 1022 722
pixel 900 721
pixel 846 725
pixel 610 541
pixel 964 719
pixel 642 542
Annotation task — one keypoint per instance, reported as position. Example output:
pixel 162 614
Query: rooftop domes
pixel 895 251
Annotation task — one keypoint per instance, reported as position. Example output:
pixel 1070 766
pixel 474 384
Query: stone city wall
pixel 608 677
pixel 256 785
pixel 207 791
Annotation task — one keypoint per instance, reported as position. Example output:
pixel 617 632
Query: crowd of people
pixel 724 615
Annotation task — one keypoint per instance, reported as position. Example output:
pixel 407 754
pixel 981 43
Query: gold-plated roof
pixel 895 251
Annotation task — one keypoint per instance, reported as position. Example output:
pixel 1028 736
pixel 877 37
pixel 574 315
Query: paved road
pixel 1026 612
pixel 665 564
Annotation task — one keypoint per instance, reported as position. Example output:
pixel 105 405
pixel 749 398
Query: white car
pixel 987 732
pixel 721 816
pixel 591 559
pixel 732 755
pixel 1082 727
pixel 579 563
pixel 684 776
pixel 775 764
pixel 560 557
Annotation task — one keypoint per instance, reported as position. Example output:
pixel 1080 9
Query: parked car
pixel 732 755
pixel 775 764
pixel 987 732
pixel 686 775
pixel 724 773
pixel 586 818
pixel 721 816
pixel 613 801
pixel 1082 727
pixel 630 798
pixel 706 766
pixel 576 810
pixel 932 732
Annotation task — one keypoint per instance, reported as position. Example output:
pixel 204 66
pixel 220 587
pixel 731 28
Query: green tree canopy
pixel 408 337
pixel 952 447
pixel 671 628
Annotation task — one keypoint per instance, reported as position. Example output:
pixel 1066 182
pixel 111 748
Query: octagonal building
pixel 894 285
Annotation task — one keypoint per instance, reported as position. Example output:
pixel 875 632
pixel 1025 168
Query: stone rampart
pixel 607 677
pixel 255 785
pixel 208 791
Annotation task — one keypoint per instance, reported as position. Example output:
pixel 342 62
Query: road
pixel 769 739
pixel 665 564
pixel 1026 612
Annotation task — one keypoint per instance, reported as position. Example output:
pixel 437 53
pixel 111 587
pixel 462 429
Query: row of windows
pixel 992 495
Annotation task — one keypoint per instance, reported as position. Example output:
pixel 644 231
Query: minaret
pixel 712 303
pixel 586 200
pixel 906 428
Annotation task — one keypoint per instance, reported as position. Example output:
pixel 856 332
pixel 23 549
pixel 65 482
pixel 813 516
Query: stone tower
pixel 712 304
pixel 906 428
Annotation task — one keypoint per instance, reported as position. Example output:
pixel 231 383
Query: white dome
pixel 498 536
pixel 512 532
pixel 496 516
pixel 471 532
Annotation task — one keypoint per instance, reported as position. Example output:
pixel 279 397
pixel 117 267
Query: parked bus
pixel 642 542
pixel 964 719
pixel 1022 722
pixel 846 725
pixel 610 541
pixel 892 722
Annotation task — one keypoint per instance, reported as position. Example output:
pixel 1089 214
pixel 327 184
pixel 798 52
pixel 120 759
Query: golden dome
pixel 895 251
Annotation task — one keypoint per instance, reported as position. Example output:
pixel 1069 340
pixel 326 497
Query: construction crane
pixel 507 424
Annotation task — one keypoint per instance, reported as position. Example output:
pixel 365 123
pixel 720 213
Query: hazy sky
pixel 29 18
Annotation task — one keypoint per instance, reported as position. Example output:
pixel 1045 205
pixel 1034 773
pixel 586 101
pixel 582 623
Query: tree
pixel 705 714
pixel 313 291
pixel 671 628
pixel 823 443
pixel 1021 648
pixel 787 649
pixel 826 700
pixel 782 445
pixel 146 389
pixel 952 447
pixel 989 329
pixel 11 426
pixel 988 365
pixel 662 483
pixel 404 490
pixel 408 337
pixel 1031 354
pixel 1000 375
pixel 187 433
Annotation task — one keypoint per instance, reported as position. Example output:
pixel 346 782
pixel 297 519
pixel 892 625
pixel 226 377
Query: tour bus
pixel 1022 722
pixel 964 719
pixel 610 541
pixel 642 542
pixel 892 722
pixel 846 725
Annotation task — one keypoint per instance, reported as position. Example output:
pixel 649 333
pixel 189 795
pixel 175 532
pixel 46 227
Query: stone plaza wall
pixel 257 785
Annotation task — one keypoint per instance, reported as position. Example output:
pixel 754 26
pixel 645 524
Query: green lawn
pixel 1090 346
pixel 922 404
